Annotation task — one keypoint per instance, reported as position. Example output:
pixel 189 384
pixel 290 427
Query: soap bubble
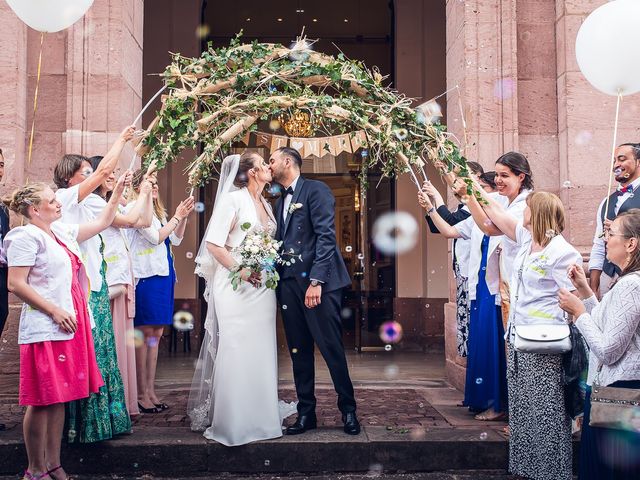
pixel 503 89
pixel 401 133
pixel 300 51
pixel 346 313
pixel 478 381
pixel 183 321
pixel 428 112
pixel 390 332
pixel 71 434
pixel 395 233
pixel 483 436
pixel 348 249
pixel 189 255
pixel 566 184
pixel 153 342
pixel 274 124
pixel 375 470
pixel 391 371
pixel 134 337
pixel 583 137
pixel 62 358
pixel 284 307
pixel 267 463
pixel 388 348
pixel 275 189
pixel 361 256
pixel 199 207
pixel 202 30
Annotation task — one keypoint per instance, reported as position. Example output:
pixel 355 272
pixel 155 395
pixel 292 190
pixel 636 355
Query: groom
pixel 310 291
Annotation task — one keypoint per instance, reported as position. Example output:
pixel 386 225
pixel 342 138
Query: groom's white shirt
pixel 288 198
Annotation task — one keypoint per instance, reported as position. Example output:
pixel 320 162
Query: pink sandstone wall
pixel 90 89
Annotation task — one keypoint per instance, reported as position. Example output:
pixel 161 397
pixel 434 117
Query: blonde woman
pixel 155 278
pixel 539 423
pixel 57 356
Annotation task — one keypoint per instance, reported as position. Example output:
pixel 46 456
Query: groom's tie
pixel 285 210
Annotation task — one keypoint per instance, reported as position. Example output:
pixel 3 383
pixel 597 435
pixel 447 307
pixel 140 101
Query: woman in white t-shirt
pixel 104 415
pixel 155 278
pixel 119 274
pixel 539 423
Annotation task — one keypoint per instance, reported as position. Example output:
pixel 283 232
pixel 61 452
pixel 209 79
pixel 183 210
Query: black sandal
pixel 148 410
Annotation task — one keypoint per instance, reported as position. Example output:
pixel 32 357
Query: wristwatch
pixel 315 283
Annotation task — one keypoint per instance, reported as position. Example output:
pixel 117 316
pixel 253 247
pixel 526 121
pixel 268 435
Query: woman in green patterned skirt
pixel 104 414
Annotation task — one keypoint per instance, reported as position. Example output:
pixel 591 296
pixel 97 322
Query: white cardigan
pixel 612 331
pixel 50 275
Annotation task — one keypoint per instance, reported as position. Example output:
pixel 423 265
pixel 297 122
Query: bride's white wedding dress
pixel 234 397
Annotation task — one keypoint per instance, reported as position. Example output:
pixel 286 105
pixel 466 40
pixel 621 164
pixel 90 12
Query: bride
pixel 234 395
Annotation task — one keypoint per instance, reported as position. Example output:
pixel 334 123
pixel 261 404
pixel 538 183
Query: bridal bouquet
pixel 260 252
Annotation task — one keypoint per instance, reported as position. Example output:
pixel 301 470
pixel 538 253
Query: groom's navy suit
pixel 310 232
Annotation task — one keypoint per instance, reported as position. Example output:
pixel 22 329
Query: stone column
pixel 482 62
pixel 90 89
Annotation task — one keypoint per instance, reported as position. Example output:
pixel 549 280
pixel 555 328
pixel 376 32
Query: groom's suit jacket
pixel 310 232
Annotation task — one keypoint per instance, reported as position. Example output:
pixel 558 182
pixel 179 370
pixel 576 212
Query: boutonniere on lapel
pixel 293 207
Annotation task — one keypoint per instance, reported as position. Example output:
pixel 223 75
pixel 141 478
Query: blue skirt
pixel 486 380
pixel 605 453
pixel 154 297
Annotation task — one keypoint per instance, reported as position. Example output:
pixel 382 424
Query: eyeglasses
pixel 607 234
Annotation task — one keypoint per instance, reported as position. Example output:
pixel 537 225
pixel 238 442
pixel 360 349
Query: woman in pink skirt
pixel 57 358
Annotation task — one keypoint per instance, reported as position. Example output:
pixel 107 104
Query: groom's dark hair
pixel 293 155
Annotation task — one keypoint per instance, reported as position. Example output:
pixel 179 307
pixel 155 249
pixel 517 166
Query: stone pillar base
pixel 455 366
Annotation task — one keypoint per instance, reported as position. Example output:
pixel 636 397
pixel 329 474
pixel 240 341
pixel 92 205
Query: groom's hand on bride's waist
pixel 312 297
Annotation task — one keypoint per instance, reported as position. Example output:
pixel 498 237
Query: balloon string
pixel 35 101
pixel 464 122
pixel 613 151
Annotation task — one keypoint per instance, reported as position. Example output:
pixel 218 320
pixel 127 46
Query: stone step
pixel 178 451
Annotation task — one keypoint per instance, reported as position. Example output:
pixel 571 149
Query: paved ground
pixel 399 391
pixel 460 475
pixel 409 413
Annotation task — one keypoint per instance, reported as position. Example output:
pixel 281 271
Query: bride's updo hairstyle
pixel 23 198
pixel 247 162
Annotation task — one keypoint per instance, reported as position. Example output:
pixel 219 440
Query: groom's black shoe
pixel 351 424
pixel 303 423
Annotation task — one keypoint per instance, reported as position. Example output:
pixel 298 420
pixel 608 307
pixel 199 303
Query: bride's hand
pixel 251 277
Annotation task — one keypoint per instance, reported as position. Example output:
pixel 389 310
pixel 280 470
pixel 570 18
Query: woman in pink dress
pixel 57 358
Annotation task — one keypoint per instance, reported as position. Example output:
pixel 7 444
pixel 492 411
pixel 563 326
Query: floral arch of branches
pixel 215 99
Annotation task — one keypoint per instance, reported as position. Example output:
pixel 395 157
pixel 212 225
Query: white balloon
pixel 50 15
pixel 607 47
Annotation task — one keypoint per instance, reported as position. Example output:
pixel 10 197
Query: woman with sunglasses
pixel 103 415
pixel 155 278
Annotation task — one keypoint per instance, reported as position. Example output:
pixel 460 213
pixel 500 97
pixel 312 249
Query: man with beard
pixel 626 168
